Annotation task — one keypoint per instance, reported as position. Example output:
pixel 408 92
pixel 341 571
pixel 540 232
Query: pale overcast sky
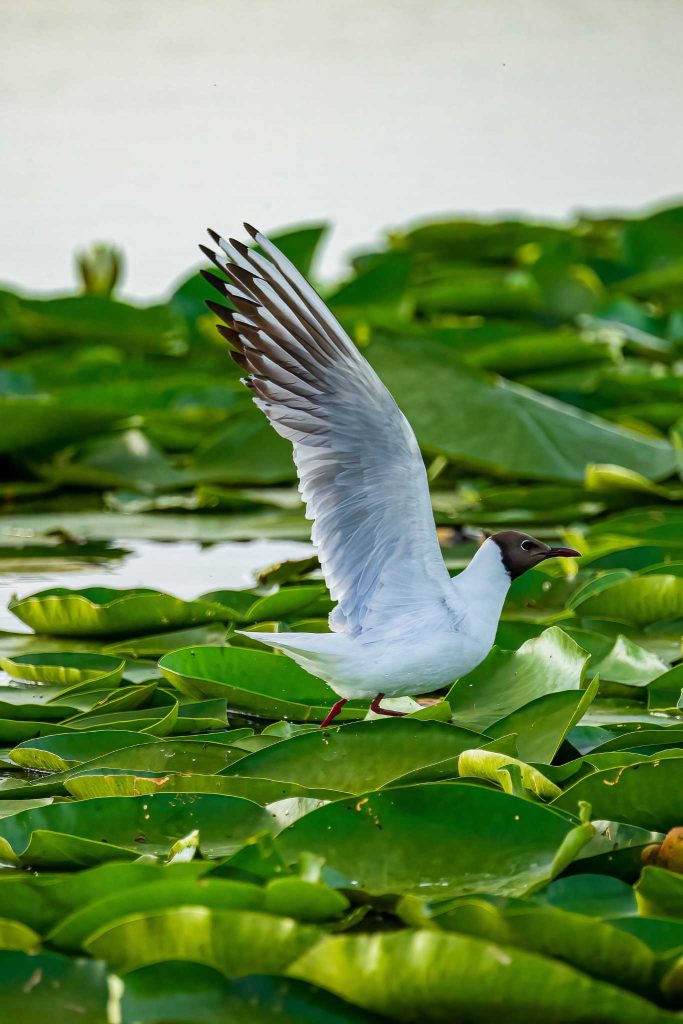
pixel 144 121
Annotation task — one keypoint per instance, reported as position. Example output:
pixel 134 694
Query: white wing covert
pixel 360 470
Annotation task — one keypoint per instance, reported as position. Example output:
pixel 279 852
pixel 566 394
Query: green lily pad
pixel 639 600
pixel 432 976
pixel 253 681
pixel 594 947
pixel 542 725
pixel 660 893
pixel 92 831
pixel 102 611
pixel 357 757
pixel 205 996
pixel 215 893
pixel 648 793
pixel 594 895
pixel 446 838
pixel 507 680
pixel 105 782
pixel 41 900
pixel 236 942
pixel 36 987
pixel 98 671
pixel 310 600
pixel 56 753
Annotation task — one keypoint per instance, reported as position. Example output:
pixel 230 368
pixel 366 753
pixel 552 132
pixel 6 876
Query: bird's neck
pixel 484 584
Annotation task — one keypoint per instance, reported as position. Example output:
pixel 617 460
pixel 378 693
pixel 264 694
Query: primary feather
pixel 360 471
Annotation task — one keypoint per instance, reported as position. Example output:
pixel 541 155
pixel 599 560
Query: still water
pixel 184 569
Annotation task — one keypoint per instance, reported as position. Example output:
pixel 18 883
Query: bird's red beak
pixel 563 553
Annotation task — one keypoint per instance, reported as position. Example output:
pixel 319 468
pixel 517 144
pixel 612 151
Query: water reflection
pixel 185 569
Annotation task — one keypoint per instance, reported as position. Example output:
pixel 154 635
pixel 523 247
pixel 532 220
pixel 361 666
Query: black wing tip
pixel 251 230
pixel 209 253
pixel 214 235
pixel 223 313
pixel 217 282
pixel 241 248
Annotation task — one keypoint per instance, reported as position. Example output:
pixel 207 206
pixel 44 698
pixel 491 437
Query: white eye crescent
pixel 527 545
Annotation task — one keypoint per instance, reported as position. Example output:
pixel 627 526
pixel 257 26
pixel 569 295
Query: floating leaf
pixel 236 942
pixel 102 611
pixel 645 793
pixel 507 680
pixel 357 757
pixel 99 671
pixel 91 831
pixel 253 681
pixel 431 976
pixel 463 837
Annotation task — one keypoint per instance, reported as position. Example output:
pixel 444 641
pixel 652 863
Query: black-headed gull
pixel 401 626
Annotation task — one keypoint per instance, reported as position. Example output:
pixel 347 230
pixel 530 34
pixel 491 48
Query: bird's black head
pixel 520 552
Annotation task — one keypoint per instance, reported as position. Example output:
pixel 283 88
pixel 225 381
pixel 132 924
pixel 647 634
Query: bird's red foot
pixel 379 710
pixel 333 712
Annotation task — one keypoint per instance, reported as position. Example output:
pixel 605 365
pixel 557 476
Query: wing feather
pixel 360 471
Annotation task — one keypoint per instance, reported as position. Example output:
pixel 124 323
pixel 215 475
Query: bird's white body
pixel 411 653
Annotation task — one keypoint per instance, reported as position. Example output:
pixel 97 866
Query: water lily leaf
pixel 432 976
pixel 102 611
pixel 660 934
pixel 544 439
pixel 28 421
pixel 236 942
pixel 542 725
pixel 245 450
pixel 104 782
pixel 268 524
pixel 507 680
pixel 594 947
pixel 216 893
pixel 664 692
pixel 357 757
pixel 14 935
pixel 609 712
pixel 594 895
pixel 290 570
pixel 644 794
pixel 303 899
pixel 95 319
pixel 648 526
pixel 127 460
pixel 660 893
pixel 158 644
pixel 156 721
pixel 638 739
pixel 99 671
pixel 596 585
pixel 494 767
pixel 254 681
pixel 202 754
pixel 464 838
pixel 160 991
pixel 47 985
pixel 42 900
pixel 619 660
pixel 56 753
pixel 639 600
pixel 13 731
pixel 91 831
pixel 312 600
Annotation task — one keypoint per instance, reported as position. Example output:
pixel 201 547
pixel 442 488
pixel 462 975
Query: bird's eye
pixel 527 545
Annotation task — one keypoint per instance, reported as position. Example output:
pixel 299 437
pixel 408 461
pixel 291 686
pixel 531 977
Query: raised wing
pixel 360 470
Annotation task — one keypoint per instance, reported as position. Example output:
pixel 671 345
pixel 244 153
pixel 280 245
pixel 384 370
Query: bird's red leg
pixel 333 712
pixel 376 707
